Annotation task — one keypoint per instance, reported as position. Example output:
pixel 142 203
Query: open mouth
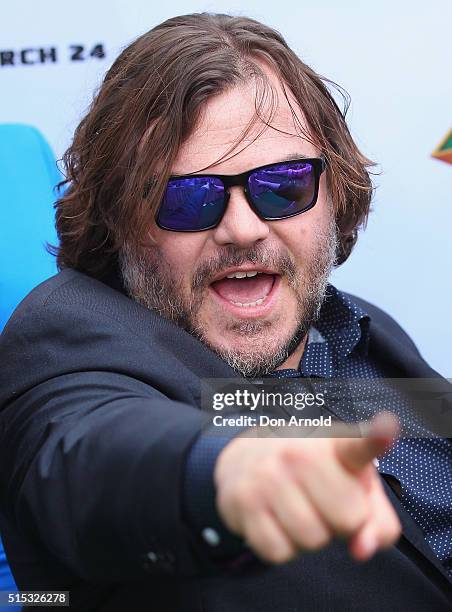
pixel 248 289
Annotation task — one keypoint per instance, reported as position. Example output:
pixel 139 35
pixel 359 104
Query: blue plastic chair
pixel 28 176
pixel 6 580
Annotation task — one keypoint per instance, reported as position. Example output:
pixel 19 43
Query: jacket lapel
pixel 412 532
pixel 391 351
pixel 429 386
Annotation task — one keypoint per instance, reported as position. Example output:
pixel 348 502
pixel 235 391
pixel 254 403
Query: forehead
pixel 224 121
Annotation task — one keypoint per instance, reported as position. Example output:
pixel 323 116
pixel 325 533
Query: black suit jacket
pixel 99 406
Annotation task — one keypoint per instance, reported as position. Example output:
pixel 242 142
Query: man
pixel 212 187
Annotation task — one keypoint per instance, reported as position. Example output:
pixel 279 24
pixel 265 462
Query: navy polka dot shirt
pixel 422 464
pixel 337 347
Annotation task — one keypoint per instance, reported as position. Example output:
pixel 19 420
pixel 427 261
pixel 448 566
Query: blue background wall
pixel 395 60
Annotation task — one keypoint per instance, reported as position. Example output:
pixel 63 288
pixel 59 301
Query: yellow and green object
pixel 444 150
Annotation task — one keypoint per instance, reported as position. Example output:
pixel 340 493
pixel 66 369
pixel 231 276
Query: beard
pixel 149 280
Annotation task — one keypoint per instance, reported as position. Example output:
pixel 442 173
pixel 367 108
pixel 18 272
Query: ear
pixel 345 246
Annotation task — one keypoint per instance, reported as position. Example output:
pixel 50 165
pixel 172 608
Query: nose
pixel 240 225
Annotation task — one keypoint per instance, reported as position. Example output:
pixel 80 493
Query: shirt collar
pixel 341 329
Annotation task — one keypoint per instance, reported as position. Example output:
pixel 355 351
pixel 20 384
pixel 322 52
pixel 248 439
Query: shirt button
pixel 155 561
pixel 211 536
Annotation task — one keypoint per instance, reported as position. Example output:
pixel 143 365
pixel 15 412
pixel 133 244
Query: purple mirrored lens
pixel 283 189
pixel 192 203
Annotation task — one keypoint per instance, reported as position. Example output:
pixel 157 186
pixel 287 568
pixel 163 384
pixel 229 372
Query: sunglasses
pixel 197 202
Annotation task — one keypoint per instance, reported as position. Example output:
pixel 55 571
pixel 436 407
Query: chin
pixel 252 352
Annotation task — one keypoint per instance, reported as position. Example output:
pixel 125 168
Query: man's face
pixel 256 322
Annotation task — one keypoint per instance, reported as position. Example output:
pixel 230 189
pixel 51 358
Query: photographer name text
pixel 266 421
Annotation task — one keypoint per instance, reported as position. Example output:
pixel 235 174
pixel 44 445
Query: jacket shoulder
pixel 73 323
pixel 67 288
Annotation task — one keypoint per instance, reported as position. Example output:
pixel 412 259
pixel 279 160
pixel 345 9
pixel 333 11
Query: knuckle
pixel 350 520
pixel 299 455
pixel 308 530
pixel 241 495
pixel 315 539
pixel 393 531
pixel 271 548
pixel 280 554
pixel 246 499
pixel 397 529
pixel 269 472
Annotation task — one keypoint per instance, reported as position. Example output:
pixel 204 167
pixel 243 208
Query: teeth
pixel 248 304
pixel 248 274
pixel 242 274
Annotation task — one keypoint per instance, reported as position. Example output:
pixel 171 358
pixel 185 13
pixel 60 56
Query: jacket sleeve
pixel 91 457
pixel 91 466
pixel 199 499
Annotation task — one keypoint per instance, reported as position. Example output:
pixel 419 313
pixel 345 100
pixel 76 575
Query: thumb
pixel 378 435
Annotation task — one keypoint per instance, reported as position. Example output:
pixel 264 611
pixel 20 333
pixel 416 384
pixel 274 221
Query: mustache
pixel 276 259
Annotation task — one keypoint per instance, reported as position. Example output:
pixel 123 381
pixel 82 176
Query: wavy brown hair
pixel 149 104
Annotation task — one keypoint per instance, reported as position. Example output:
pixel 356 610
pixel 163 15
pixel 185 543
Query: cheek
pixel 300 235
pixel 181 252
pixel 307 229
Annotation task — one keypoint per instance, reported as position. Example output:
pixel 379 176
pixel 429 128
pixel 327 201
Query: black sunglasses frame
pixel 241 180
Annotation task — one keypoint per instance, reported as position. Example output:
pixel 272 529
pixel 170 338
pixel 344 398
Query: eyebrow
pixel 283 158
pixel 294 156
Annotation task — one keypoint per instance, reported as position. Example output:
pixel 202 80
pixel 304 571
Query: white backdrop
pixel 394 58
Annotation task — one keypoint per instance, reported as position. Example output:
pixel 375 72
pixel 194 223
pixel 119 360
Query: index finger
pixel 356 453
